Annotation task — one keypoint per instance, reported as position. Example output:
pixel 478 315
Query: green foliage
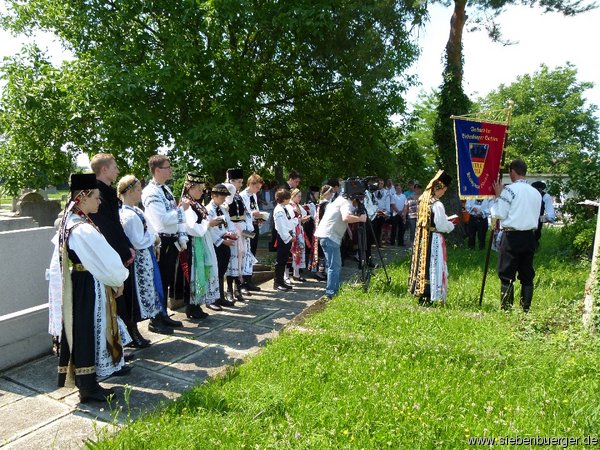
pixel 374 370
pixel 552 127
pixel 309 85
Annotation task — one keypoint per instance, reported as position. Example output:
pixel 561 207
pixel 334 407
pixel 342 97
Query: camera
pixel 354 188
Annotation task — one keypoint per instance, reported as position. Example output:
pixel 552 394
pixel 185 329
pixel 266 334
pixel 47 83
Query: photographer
pixel 330 231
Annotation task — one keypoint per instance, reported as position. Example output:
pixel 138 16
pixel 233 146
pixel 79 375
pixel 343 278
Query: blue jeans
pixel 333 265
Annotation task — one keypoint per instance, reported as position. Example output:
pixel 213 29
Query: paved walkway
pixel 35 414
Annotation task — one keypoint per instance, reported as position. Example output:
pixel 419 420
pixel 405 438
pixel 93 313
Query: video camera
pixel 353 188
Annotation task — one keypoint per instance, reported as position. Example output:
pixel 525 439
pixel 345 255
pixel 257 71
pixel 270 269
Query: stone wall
pixel 24 294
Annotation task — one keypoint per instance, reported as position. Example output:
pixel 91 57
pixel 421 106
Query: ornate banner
pixel 479 147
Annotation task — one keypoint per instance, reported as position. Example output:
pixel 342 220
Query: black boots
pixel 194 312
pixel 249 285
pixel 507 295
pixel 526 297
pixel 95 394
pixel 137 340
pixel 279 283
pixel 156 325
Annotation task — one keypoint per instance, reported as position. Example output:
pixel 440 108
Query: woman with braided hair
pixel 428 278
pixel 82 305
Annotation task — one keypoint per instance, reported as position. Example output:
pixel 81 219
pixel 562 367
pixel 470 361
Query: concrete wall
pixel 24 257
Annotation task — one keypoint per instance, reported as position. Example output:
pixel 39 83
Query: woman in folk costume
pixel 144 287
pixel 299 245
pixel 318 257
pixel 429 272
pixel 241 259
pixel 199 261
pixel 86 320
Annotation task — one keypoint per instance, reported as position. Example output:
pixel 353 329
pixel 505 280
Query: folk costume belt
pixel 237 218
pixel 509 230
pixel 168 235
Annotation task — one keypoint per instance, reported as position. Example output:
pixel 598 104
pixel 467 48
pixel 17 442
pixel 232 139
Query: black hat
pixel 539 185
pixel 193 178
pixel 333 182
pixel 235 174
pixel 220 189
pixel 82 182
pixel 445 178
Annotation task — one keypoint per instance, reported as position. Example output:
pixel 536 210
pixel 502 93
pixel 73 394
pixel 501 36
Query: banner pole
pixel 493 228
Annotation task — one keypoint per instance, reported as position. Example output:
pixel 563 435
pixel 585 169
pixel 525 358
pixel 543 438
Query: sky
pixel 550 39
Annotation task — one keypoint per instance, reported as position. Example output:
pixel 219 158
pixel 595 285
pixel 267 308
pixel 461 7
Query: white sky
pixel 552 39
pixel 540 38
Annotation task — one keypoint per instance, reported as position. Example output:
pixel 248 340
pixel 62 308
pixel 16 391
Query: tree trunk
pixel 589 303
pixel 454 45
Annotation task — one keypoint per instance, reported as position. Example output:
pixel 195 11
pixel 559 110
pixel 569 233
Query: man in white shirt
pixel 167 220
pixel 330 232
pixel 479 211
pixel 547 213
pixel 517 206
pixel 398 207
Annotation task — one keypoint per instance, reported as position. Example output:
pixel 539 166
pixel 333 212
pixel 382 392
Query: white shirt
pixel 134 227
pixel 335 220
pixel 192 227
pixel 549 213
pixel 440 220
pixel 399 200
pixel 482 207
pixel 219 231
pixel 285 227
pixel 162 214
pixel 518 206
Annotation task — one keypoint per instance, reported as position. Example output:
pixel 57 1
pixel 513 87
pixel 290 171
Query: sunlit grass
pixel 375 370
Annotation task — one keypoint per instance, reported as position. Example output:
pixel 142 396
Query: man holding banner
pixel 517 206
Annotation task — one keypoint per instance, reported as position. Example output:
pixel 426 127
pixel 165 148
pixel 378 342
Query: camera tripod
pixel 365 265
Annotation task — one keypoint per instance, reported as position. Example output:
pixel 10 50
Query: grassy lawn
pixel 377 371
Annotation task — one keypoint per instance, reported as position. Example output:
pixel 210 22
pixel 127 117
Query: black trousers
pixel 254 240
pixel 478 227
pixel 397 230
pixel 128 307
pixel 166 265
pixel 283 250
pixel 516 257
pixel 377 225
pixel 223 254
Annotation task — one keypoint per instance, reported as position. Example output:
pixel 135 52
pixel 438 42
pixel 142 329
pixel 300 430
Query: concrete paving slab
pixel 28 414
pixel 11 392
pixel 40 375
pixel 250 311
pixel 140 394
pixel 277 320
pixel 66 433
pixel 243 337
pixel 164 353
pixel 209 361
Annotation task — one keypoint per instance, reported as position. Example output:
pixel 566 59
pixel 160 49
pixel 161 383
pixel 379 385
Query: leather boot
pixel 507 295
pixel 526 297
pixel 239 292
pixel 95 394
pixel 194 312
pixel 249 284
pixel 137 340
pixel 156 326
pixel 278 283
pixel 170 322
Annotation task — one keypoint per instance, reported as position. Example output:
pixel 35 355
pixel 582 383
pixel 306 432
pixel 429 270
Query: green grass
pixel 375 370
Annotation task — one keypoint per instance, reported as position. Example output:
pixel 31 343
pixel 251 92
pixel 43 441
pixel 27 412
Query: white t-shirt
pixel 334 222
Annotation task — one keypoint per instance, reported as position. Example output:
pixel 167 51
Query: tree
pixel 219 83
pixel 453 100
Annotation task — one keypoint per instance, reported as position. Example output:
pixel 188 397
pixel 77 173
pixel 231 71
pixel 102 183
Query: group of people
pixel 520 210
pixel 116 264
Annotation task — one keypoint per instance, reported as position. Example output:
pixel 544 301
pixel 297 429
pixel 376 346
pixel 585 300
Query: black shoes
pixel 195 312
pixel 321 276
pixel 252 287
pixel 244 290
pixel 280 287
pixel 137 340
pixel 300 278
pixel 225 302
pixel 156 325
pixel 214 307
pixel 170 322
pixel 96 394
pixel 122 371
pixel 239 295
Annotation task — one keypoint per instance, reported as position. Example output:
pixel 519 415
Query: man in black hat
pixel 517 206
pixel 547 214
